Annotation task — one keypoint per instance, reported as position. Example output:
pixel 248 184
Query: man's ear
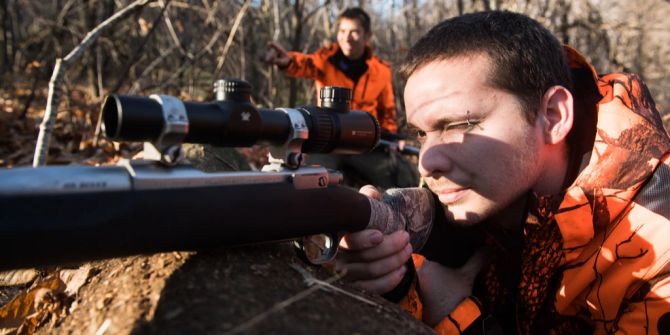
pixel 556 114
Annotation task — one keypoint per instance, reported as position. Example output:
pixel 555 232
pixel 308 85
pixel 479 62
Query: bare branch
pixel 231 36
pixel 148 69
pixel 53 98
pixel 175 39
pixel 137 52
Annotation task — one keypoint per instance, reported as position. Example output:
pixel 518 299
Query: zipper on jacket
pixel 365 85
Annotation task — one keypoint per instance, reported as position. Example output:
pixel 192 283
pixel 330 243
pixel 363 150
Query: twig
pixel 192 59
pixel 175 38
pixel 163 54
pixel 313 283
pixel 326 284
pixel 140 47
pixel 53 98
pixel 213 40
pixel 231 36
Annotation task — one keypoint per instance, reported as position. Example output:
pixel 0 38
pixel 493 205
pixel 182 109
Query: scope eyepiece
pixel 233 121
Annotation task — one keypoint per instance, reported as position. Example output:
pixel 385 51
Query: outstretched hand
pixel 371 260
pixel 275 54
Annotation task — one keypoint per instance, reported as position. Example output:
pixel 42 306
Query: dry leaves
pixel 18 277
pixel 47 300
pixel 73 138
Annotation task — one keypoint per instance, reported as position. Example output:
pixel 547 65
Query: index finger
pixel 361 240
pixel 276 46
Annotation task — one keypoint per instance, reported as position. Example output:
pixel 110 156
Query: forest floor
pixel 73 137
pixel 261 289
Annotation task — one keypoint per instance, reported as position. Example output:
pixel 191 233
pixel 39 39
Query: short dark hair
pixel 356 13
pixel 526 58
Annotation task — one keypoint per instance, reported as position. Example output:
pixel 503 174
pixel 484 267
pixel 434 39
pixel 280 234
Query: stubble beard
pixel 477 208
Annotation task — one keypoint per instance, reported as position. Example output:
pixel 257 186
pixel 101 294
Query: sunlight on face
pixel 352 37
pixel 478 151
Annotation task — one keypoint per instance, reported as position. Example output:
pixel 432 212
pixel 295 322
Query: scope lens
pixel 132 118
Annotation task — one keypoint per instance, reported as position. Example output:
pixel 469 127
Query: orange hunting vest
pixel 372 93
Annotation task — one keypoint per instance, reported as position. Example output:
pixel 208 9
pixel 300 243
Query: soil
pixel 245 290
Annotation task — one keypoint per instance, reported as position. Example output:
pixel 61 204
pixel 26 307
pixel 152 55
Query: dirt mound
pixel 262 289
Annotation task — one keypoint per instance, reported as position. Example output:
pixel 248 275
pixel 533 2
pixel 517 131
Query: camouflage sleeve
pixel 649 306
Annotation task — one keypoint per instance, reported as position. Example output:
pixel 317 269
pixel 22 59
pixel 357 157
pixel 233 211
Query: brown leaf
pixel 74 279
pixel 24 305
pixel 17 277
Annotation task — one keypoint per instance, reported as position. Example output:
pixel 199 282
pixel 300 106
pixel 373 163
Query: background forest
pixel 182 47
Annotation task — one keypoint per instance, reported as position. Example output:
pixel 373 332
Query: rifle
pixel 391 142
pixel 67 214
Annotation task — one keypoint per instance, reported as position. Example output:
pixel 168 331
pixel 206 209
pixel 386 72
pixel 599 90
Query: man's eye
pixel 417 134
pixel 466 125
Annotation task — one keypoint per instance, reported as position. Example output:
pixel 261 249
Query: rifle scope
pixel 233 121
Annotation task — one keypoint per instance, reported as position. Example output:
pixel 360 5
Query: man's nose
pixel 434 158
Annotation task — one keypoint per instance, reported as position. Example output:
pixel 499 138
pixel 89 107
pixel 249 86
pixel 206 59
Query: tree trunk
pixel 295 45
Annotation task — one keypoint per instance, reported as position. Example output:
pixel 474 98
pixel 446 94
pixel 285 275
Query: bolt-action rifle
pixel 65 214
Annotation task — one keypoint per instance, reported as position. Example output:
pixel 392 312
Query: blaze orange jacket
pixel 596 258
pixel 373 93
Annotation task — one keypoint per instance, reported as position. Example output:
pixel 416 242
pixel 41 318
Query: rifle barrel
pixel 55 228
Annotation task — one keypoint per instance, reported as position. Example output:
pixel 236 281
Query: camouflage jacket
pixel 595 258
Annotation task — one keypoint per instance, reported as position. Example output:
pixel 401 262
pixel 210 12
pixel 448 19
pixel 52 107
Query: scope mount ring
pixel 290 153
pixel 167 149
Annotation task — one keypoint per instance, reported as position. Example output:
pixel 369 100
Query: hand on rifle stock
pixel 377 263
pixel 373 261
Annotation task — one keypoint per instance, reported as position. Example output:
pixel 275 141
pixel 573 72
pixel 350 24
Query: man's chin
pixel 461 216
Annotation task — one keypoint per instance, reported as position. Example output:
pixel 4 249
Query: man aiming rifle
pixel 555 186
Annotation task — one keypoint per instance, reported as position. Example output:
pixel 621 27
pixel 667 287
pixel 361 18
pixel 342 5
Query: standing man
pixel 554 184
pixel 350 63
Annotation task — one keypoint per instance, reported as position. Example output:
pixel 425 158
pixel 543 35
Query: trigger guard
pixel 310 250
